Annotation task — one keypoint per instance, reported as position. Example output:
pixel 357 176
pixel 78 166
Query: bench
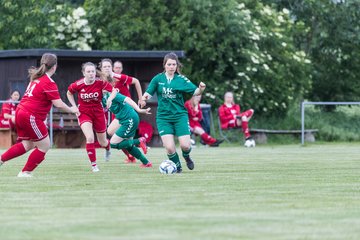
pixel 67 132
pixel 260 135
pixel 7 137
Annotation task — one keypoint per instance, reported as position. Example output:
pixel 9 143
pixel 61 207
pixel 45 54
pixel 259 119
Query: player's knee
pixel 244 119
pixel 185 146
pixel 89 139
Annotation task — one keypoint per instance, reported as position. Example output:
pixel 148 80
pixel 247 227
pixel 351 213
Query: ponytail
pixel 48 60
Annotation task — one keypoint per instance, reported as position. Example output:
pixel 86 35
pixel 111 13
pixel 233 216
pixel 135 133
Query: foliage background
pixel 270 53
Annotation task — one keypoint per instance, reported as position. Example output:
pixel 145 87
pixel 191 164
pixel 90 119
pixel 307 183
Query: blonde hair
pixel 173 56
pixel 48 60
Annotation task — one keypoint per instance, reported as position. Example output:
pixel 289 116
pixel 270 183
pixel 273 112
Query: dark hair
pixel 107 78
pixel 48 60
pixel 105 60
pixel 173 56
pixel 15 90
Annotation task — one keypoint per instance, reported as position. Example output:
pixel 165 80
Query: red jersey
pixel 38 96
pixel 8 107
pixel 122 84
pixel 192 112
pixel 89 96
pixel 227 114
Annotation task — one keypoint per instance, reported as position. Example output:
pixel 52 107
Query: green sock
pixel 136 153
pixel 123 144
pixel 136 142
pixel 175 158
pixel 186 153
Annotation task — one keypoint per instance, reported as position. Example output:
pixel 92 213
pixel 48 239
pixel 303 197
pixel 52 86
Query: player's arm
pixel 7 111
pixel 200 89
pixel 111 97
pixel 150 90
pixel 224 117
pixel 136 107
pixel 136 82
pixel 61 105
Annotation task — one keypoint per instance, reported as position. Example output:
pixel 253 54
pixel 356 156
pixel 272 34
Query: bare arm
pixel 61 105
pixel 111 97
pixel 136 107
pixel 200 89
pixel 137 84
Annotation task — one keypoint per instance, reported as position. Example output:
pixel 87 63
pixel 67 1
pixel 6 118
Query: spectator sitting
pixel 230 116
pixel 195 116
pixel 7 115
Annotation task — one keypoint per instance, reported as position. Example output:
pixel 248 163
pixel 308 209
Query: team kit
pixel 105 88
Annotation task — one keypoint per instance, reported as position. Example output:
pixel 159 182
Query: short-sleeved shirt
pixel 170 95
pixel 119 107
pixel 38 96
pixel 122 84
pixel 89 95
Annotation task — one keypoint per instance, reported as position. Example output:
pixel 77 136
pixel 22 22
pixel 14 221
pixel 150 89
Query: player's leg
pixel 99 126
pixel 24 130
pixel 169 145
pixel 245 117
pixel 112 128
pixel 207 139
pixel 87 129
pixel 182 130
pixel 35 157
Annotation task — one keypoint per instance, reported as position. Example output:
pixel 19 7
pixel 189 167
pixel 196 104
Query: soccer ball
pixel 167 167
pixel 250 143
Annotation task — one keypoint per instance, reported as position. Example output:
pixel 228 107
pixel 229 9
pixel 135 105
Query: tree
pixel 24 24
pixel 229 46
pixel 333 43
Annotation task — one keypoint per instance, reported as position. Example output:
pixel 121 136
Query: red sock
pixel 97 145
pixel 13 152
pixel 129 156
pixel 108 146
pixel 207 138
pixel 90 148
pixel 35 158
pixel 245 128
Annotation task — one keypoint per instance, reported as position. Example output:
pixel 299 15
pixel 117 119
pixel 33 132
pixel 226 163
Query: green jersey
pixel 119 107
pixel 170 95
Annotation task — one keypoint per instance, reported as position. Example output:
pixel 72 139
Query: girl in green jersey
pixel 172 117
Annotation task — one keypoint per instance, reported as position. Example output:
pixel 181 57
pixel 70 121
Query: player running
pixel 172 118
pixel 124 125
pixel 90 93
pixel 41 93
pixel 121 83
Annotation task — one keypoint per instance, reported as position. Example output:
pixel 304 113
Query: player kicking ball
pixel 123 127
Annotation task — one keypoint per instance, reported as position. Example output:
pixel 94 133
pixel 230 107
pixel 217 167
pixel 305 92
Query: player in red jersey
pixel 90 93
pixel 7 115
pixel 230 116
pixel 195 116
pixel 41 93
pixel 121 83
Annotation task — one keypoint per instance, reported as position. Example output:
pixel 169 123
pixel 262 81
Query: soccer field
pixel 267 192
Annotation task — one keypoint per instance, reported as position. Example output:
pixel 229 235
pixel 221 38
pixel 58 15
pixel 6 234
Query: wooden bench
pixel 7 138
pixel 260 135
pixel 67 132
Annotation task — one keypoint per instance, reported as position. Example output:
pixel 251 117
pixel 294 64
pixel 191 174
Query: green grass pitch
pixel 268 192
